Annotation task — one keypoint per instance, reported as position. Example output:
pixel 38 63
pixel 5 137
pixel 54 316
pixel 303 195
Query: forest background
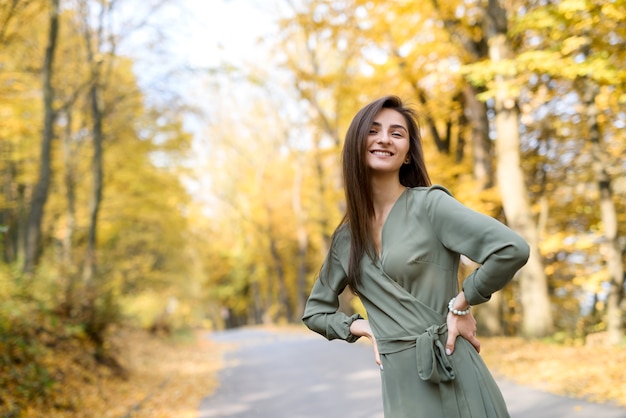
pixel 130 201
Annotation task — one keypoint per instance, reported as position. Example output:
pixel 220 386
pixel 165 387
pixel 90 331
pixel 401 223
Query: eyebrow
pixel 378 125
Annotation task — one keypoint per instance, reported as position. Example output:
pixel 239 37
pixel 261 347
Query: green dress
pixel 406 293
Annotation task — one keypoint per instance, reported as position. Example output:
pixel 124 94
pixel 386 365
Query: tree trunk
pixel 608 214
pixel 280 305
pixel 89 267
pixel 97 115
pixel 67 259
pixel 40 193
pixel 490 315
pixel 537 320
pixel 476 113
pixel 70 192
pixel 12 219
pixel 303 243
pixel 283 310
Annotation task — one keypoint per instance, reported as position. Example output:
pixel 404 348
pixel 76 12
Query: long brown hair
pixel 356 176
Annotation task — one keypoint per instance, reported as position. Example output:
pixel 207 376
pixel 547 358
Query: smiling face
pixel 387 142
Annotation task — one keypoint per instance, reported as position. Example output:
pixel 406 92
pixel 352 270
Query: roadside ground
pixel 169 377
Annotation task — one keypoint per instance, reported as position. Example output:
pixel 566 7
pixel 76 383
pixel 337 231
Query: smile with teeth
pixel 383 153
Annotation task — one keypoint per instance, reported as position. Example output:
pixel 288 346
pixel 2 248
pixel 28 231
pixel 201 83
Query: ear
pixel 407 160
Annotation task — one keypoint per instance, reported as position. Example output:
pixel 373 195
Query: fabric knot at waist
pixel 432 362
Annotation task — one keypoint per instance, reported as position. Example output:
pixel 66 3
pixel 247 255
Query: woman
pixel 398 248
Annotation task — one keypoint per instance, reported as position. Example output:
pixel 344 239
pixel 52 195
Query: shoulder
pixel 340 246
pixel 341 238
pixel 428 193
pixel 343 232
pixel 434 201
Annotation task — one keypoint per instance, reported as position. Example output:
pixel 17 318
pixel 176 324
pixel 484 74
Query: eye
pixel 373 131
pixel 397 134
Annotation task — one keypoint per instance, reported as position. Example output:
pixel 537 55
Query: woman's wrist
pixel 459 306
pixel 361 328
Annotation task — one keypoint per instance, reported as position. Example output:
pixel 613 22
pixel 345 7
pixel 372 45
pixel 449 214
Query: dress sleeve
pixel 500 251
pixel 321 311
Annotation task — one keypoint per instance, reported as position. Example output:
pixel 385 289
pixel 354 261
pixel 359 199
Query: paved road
pixel 297 375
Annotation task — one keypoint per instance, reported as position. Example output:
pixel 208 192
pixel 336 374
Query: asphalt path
pixel 301 375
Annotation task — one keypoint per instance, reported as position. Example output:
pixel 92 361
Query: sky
pixel 178 51
pixel 203 36
pixel 224 30
pixel 186 39
pixel 214 34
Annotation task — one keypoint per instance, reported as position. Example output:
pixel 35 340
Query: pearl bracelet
pixel 456 311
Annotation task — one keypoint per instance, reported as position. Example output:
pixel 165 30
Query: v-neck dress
pixel 406 292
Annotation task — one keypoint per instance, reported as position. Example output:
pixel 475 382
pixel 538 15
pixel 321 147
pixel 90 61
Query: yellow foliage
pixel 573 44
pixel 552 243
pixel 569 7
pixel 612 11
pixel 592 282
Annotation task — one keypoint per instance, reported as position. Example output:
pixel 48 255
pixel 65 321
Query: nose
pixel 384 138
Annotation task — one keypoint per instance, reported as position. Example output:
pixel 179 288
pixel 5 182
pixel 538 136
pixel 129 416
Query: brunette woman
pixel 398 248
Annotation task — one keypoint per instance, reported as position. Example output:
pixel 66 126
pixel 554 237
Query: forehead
pixel 388 117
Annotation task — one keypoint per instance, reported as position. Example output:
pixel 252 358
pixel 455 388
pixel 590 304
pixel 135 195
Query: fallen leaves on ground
pixel 168 378
pixel 594 373
pixel 163 377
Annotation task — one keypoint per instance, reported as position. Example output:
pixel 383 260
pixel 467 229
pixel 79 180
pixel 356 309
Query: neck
pixel 385 191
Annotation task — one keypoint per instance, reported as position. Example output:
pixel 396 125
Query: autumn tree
pixel 586 62
pixel 384 32
pixel 508 67
pixel 537 315
pixel 64 220
pixel 145 265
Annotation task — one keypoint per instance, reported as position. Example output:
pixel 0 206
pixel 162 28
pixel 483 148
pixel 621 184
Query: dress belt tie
pixel 432 362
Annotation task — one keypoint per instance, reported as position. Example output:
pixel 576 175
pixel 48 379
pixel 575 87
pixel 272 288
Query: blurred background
pixel 174 165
